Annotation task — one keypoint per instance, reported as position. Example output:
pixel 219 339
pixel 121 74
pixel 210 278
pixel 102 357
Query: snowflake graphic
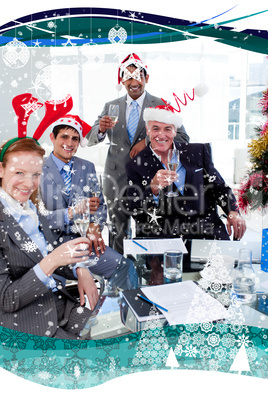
pixel 51 24
pixel 74 229
pixel 50 248
pixel 18 236
pixel 153 216
pixel 211 178
pixel 86 189
pixel 29 247
pixel 191 351
pixel 44 375
pixel 7 212
pixel 243 340
pixel 42 209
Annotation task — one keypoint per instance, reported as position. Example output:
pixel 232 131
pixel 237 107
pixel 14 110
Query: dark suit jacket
pixel 193 214
pixel 115 178
pixel 56 200
pixel 26 304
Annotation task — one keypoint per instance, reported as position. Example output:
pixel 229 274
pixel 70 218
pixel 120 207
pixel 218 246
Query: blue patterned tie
pixel 67 177
pixel 133 120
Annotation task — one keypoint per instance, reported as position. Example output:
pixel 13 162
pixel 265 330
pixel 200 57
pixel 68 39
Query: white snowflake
pixel 74 229
pixel 42 209
pixel 50 248
pixel 18 236
pixel 112 364
pixel 77 371
pixel 51 25
pixel 80 310
pixel 191 351
pixel 153 216
pixel 86 189
pixel 29 246
pixel 211 179
pixel 7 211
pixel 44 375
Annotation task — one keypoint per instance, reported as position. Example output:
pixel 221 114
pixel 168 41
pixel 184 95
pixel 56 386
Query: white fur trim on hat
pixel 163 116
pixel 70 121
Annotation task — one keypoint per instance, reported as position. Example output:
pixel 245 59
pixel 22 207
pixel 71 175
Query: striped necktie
pixel 67 177
pixel 133 120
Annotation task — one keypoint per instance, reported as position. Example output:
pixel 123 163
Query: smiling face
pixel 161 136
pixel 134 87
pixel 65 144
pixel 21 174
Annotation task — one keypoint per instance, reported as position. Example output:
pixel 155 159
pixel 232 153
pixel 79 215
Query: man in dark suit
pixel 198 186
pixel 134 77
pixel 67 135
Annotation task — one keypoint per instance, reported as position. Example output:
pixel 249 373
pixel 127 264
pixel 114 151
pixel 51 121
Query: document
pixel 143 310
pixel 186 302
pixel 153 246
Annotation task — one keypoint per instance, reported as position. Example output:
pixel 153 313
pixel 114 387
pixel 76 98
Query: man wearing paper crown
pixel 129 135
pixel 174 188
pixel 60 193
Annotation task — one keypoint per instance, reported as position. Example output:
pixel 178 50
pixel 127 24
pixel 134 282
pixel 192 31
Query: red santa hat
pixel 163 114
pixel 132 58
pixel 79 125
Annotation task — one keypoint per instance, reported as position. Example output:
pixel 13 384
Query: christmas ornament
pixel 117 34
pixel 15 54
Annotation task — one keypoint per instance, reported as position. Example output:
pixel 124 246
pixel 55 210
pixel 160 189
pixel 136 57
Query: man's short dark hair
pixel 57 129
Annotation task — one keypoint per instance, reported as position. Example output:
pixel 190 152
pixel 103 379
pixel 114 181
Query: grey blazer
pixel 26 304
pixel 115 178
pixel 53 194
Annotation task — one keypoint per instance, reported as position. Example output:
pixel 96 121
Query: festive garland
pixel 253 192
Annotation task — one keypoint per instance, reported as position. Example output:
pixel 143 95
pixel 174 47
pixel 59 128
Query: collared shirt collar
pixel 156 155
pixel 16 209
pixel 59 163
pixel 140 100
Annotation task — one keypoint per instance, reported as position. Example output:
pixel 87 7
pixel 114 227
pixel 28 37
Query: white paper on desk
pixel 153 246
pixel 186 303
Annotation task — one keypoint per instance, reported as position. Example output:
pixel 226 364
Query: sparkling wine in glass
pixel 96 192
pixel 113 113
pixel 173 160
pixel 81 217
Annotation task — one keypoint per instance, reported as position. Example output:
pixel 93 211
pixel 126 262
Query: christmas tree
pixel 253 192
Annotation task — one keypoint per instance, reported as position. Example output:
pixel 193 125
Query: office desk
pixel 114 317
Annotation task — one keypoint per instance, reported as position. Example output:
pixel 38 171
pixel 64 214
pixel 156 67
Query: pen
pixel 138 244
pixel 150 301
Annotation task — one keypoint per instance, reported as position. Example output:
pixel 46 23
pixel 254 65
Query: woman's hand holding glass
pixel 81 217
pixel 72 252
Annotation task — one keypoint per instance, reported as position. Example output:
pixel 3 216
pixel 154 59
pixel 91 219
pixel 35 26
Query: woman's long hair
pixel 23 145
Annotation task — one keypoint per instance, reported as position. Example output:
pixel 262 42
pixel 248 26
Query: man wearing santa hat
pixel 65 177
pixel 181 201
pixel 129 137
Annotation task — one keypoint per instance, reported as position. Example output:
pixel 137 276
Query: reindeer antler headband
pixel 25 104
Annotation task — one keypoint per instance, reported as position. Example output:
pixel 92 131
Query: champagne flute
pixel 96 192
pixel 173 160
pixel 113 113
pixel 81 217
